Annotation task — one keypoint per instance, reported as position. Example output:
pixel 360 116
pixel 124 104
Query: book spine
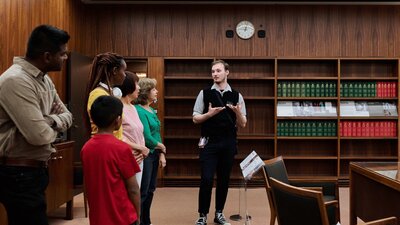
pixel 279 89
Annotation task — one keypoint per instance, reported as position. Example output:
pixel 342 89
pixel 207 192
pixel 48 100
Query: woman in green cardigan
pixel 156 157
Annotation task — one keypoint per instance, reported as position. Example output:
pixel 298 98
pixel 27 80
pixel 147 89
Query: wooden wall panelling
pixel 19 17
pixel 265 20
pixel 164 30
pixel 368 31
pixel 156 71
pixel 307 31
pixel 197 32
pixel 226 17
pixel 291 30
pixel 152 34
pixel 137 28
pixel 120 26
pixel 3 37
pixel 106 34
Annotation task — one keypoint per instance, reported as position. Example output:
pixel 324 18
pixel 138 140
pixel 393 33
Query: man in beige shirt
pixel 31 115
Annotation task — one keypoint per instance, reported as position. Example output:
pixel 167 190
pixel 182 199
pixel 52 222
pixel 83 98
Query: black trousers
pixel 22 192
pixel 217 156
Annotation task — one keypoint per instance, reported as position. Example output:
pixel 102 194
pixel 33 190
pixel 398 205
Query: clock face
pixel 245 29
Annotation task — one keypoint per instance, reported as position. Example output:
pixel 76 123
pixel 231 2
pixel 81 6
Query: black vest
pixel 223 123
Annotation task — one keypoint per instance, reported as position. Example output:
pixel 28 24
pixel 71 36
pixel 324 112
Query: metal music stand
pixel 250 165
pixel 248 217
pixel 237 217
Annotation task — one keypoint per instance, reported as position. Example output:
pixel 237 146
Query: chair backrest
pixel 275 168
pixel 297 205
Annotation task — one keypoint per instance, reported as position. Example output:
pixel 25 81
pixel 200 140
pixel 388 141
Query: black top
pixel 223 123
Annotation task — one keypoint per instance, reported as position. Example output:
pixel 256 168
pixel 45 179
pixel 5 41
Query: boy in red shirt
pixel 109 169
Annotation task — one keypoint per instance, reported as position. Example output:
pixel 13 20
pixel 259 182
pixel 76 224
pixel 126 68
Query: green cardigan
pixel 151 127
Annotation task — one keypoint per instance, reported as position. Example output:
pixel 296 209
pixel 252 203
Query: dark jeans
pixel 22 192
pixel 148 186
pixel 217 156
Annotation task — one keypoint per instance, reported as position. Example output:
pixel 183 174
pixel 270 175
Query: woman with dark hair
pixel 131 125
pixel 108 71
pixel 151 126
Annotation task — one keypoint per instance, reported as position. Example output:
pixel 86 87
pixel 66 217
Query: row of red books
pixel 386 89
pixel 368 128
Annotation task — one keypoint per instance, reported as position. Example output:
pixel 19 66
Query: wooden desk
pixel 61 180
pixel 60 188
pixel 374 190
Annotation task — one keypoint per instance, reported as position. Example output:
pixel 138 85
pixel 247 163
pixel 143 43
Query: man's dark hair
pixel 105 110
pixel 129 84
pixel 45 38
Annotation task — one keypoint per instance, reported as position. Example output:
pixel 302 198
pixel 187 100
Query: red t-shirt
pixel 107 163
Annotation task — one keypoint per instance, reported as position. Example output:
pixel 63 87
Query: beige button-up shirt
pixel 26 98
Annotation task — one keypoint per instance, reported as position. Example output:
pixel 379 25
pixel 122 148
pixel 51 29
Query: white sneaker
pixel 201 221
pixel 220 219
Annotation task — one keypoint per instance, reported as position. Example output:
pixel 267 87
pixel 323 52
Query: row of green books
pixel 358 89
pixel 307 128
pixel 306 89
pixel 328 89
pixel 368 89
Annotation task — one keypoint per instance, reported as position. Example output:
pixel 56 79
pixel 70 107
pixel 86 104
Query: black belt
pixel 7 161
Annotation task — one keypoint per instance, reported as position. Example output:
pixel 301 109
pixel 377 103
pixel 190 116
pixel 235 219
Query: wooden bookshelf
pixel 317 157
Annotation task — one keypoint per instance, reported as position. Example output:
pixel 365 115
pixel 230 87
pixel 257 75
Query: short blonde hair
pixel 146 85
pixel 226 65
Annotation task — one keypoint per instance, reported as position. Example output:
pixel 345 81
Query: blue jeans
pixel 22 192
pixel 148 186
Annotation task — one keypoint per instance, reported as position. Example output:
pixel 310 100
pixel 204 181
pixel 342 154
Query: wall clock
pixel 245 29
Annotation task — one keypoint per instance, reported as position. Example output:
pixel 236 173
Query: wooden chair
pixel 275 168
pixel 296 205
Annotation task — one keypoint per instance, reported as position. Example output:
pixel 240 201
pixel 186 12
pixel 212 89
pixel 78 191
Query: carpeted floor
pixel 178 206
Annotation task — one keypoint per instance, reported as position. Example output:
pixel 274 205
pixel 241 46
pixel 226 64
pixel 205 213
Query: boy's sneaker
pixel 201 221
pixel 220 219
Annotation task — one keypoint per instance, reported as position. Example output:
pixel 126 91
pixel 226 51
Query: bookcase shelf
pixel 311 158
pixel 178 117
pixel 375 158
pixel 186 78
pixel 307 118
pixel 315 157
pixel 256 137
pixel 368 99
pixel 307 98
pixel 370 78
pixel 180 137
pixel 259 98
pixel 368 138
pixel 304 138
pixel 368 118
pixel 180 97
pixel 308 78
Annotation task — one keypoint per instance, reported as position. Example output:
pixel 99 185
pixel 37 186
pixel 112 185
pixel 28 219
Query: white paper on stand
pixel 251 164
